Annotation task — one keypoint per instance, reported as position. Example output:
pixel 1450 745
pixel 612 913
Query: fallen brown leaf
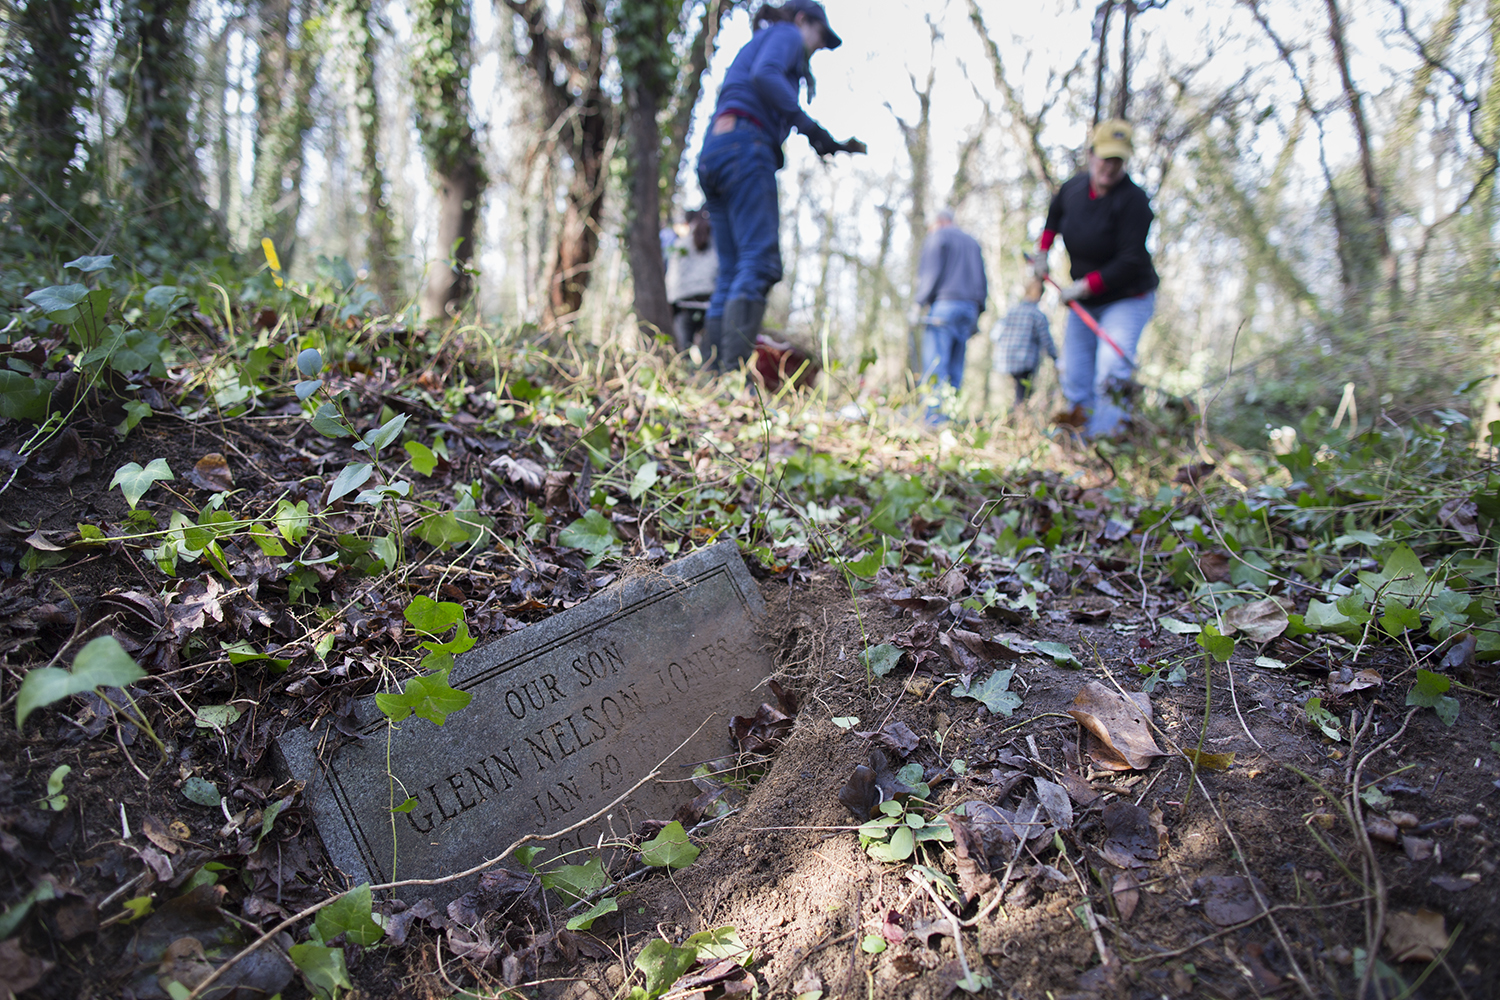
pixel 1127 893
pixel 211 473
pixel 894 735
pixel 19 971
pixel 1214 566
pixel 860 794
pixel 1415 937
pixel 1228 899
pixel 1258 621
pixel 1131 839
pixel 1119 724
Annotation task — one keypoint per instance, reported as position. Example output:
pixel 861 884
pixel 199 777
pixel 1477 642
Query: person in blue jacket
pixel 757 108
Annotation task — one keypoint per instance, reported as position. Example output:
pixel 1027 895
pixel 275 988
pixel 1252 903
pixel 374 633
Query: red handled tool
pixel 1089 321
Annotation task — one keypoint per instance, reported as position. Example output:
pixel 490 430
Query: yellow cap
pixel 1113 138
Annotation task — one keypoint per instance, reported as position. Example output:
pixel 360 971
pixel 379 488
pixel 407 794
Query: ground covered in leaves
pixel 1133 721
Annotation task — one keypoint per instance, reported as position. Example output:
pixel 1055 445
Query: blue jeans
pixel 945 339
pixel 1092 372
pixel 737 171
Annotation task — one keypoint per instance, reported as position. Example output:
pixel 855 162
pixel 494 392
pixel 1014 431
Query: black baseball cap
pixel 814 9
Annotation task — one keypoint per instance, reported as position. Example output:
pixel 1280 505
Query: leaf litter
pixel 993 613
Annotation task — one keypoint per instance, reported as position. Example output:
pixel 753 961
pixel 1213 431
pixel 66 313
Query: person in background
pixel 692 272
pixel 952 286
pixel 1103 218
pixel 757 108
pixel 1021 337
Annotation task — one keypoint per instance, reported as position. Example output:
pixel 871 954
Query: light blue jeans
pixel 1092 372
pixel 945 342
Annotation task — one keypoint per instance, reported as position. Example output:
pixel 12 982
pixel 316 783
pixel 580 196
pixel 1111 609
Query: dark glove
pixel 822 143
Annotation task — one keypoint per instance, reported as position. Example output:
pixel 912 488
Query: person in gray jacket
pixel 952 286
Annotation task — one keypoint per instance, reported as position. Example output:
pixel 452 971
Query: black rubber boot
pixel 741 326
pixel 713 335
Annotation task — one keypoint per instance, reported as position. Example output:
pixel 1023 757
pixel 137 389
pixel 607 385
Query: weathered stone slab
pixel 566 715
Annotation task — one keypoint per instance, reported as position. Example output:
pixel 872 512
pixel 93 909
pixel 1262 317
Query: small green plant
pixel 103 663
pixel 321 963
pixel 1431 691
pixel 899 832
pixel 994 694
pixel 1323 719
pixel 55 799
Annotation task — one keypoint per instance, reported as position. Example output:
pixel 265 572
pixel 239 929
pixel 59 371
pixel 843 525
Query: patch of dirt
pixel 788 873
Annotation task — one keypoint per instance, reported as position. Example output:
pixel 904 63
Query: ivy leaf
pixel 242 652
pixel 1399 618
pixel 575 883
pixel 1449 611
pixel 216 717
pixel 429 697
pixel 59 299
pixel 720 943
pixel 881 659
pixel 1220 647
pixel 422 458
pixel 1060 652
pixel 89 264
pixel 102 663
pixel 322 967
pixel 1431 691
pixel 433 617
pixel 663 963
pixel 201 791
pixel 592 533
pixel 349 915
pixel 134 481
pixel 23 397
pixel 585 921
pixel 994 693
pixel 645 478
pixel 669 849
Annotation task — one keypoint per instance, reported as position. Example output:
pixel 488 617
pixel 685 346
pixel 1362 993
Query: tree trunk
pixel 647 275
pixel 440 82
pixel 48 85
pixel 166 190
pixel 1122 93
pixel 918 148
pixel 1101 64
pixel 1379 226
pixel 578 237
pixel 380 244
pixel 579 121
pixel 284 77
pixel 879 280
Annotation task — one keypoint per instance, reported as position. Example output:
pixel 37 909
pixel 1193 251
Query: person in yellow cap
pixel 1103 218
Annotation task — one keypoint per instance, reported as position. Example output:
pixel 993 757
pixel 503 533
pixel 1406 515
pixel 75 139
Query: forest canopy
pixel 1322 172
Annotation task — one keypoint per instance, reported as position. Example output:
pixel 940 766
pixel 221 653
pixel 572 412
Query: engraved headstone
pixel 566 715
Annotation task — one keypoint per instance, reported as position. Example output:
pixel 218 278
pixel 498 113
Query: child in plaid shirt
pixel 1020 337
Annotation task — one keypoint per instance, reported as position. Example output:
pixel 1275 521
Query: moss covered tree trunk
pixel 442 58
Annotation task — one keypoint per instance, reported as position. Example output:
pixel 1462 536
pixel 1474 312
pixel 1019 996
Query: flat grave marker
pixel 566 715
